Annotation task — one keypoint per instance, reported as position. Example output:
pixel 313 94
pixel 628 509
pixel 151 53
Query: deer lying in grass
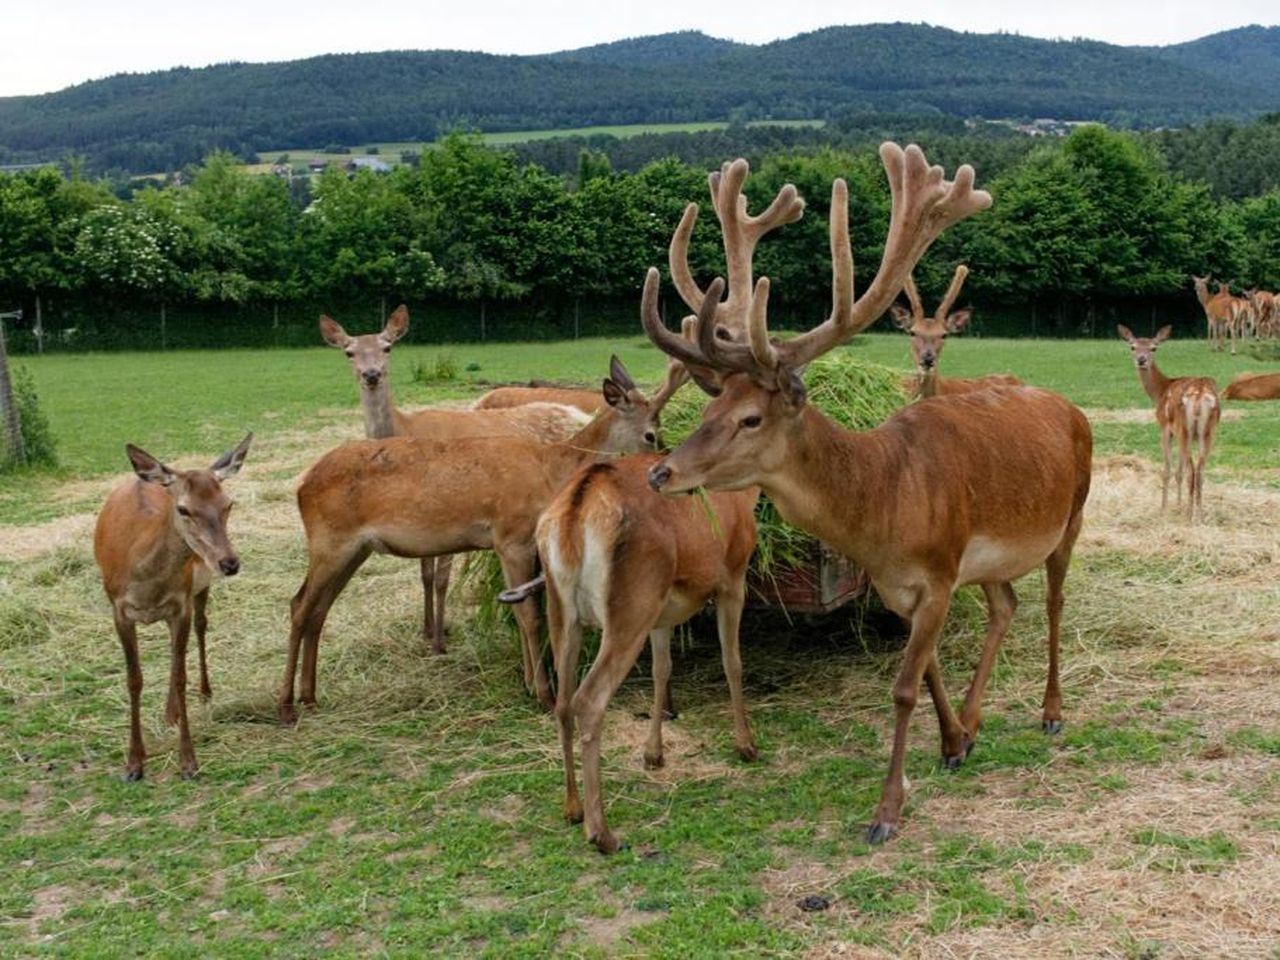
pixel 929 335
pixel 158 540
pixel 370 356
pixel 617 556
pixel 412 497
pixel 978 488
pixel 1186 407
pixel 1253 386
pixel 504 398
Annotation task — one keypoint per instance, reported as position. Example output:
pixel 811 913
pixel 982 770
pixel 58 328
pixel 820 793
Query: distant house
pixel 282 170
pixel 317 166
pixel 367 163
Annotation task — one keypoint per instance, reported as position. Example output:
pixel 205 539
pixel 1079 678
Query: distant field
pixel 390 150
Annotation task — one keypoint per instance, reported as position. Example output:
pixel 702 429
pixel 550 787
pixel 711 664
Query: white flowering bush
pixel 122 248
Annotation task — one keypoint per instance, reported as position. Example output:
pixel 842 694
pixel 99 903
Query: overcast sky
pixel 48 45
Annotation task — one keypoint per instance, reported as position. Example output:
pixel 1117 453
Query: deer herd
pixel 571 481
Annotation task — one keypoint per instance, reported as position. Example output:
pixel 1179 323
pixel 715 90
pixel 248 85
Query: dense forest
pixel 1080 224
pixel 146 123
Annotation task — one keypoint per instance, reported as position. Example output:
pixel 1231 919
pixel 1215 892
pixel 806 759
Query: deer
pixel 160 538
pixel 934 498
pixel 503 398
pixel 928 337
pixel 370 356
pixel 1219 311
pixel 1266 308
pixel 1186 407
pixel 1253 386
pixel 414 497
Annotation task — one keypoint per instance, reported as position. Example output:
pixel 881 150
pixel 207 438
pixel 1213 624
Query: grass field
pixel 390 151
pixel 417 810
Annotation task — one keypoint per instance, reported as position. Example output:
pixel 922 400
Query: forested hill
pixel 158 121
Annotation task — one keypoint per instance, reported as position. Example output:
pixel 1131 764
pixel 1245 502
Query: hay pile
pixel 855 393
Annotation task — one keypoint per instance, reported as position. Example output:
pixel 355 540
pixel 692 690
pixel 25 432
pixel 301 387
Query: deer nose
pixel 371 377
pixel 229 565
pixel 928 360
pixel 659 474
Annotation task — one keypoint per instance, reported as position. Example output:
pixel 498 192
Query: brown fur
pixel 1220 311
pixel 157 539
pixel 414 497
pixel 1254 386
pixel 666 560
pixel 502 398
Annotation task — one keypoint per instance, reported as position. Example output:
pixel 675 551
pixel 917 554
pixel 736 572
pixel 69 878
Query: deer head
pixel 1144 348
pixel 759 393
pixel 928 334
pixel 200 507
pixel 369 353
pixel 636 419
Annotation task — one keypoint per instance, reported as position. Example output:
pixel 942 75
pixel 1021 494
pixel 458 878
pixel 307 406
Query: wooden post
pixel 575 318
pixel 13 426
pixel 481 319
pixel 39 331
pixel 163 332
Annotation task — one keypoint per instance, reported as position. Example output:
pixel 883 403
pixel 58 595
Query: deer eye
pixel 751 421
pixel 183 512
pixel 386 349
pixel 349 353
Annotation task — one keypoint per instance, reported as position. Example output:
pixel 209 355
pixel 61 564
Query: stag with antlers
pixel 929 335
pixel 979 488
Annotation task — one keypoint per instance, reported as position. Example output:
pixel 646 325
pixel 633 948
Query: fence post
pixel 13 426
pixel 163 332
pixel 39 331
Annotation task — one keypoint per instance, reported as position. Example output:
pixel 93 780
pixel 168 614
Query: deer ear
pixel 958 320
pixel 1124 332
pixel 619 375
pixel 902 317
pixel 333 333
pixel 148 468
pixel 1164 333
pixel 397 325
pixel 229 464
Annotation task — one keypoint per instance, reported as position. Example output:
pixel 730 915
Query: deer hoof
pixel 654 762
pixel 132 776
pixel 749 753
pixel 1051 727
pixel 189 774
pixel 607 843
pixel 288 716
pixel 879 832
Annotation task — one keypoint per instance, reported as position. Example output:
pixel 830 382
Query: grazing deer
pixel 1253 386
pixel 928 337
pixel 1186 407
pixel 413 497
pixel 978 488
pixel 370 356
pixel 502 398
pixel 158 540
pixel 1219 311
pixel 618 556
pixel 1266 308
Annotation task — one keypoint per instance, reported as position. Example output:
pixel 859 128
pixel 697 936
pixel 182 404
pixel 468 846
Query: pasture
pixel 418 808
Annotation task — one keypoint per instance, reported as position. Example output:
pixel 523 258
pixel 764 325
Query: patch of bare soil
pixel 1140 414
pixel 50 904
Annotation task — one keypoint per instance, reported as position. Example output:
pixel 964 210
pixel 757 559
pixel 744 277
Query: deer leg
pixel 444 567
pixel 128 633
pixel 566 647
pixel 1168 466
pixel 1001 604
pixel 729 603
pixel 1185 467
pixel 1055 575
pixel 926 622
pixel 955 745
pixel 1206 444
pixel 517 568
pixel 660 648
pixel 620 645
pixel 201 601
pixel 309 608
pixel 428 567
pixel 179 633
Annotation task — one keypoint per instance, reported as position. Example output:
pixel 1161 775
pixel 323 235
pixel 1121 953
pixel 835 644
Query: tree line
pixel 1093 218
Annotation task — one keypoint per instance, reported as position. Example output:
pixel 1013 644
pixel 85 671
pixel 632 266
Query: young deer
pixel 928 337
pixel 413 497
pixel 503 398
pixel 1253 386
pixel 935 498
pixel 158 539
pixel 617 556
pixel 1186 407
pixel 370 356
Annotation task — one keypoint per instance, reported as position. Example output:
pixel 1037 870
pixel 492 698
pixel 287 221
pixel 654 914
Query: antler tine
pixel 669 343
pixel 953 291
pixel 678 258
pixel 677 373
pixel 913 295
pixel 726 356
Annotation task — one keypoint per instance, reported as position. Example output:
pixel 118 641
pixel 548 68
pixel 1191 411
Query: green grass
pixel 417 810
